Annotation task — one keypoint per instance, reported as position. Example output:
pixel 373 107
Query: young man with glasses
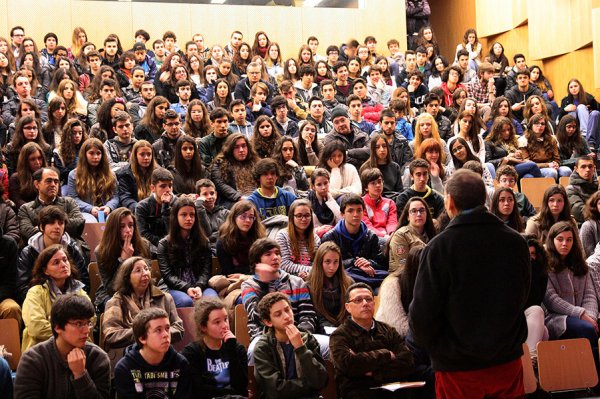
pixel 66 365
pixel 22 87
pixel 367 353
pixel 164 147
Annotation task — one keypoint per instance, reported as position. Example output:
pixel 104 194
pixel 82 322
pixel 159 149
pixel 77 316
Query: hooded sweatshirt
pixel 135 378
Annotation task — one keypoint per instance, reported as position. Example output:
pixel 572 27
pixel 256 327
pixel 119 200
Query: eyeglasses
pixel 30 128
pixel 359 300
pixel 247 218
pixel 81 324
pixel 458 148
pixel 304 216
pixel 508 181
pixel 539 123
pixel 415 211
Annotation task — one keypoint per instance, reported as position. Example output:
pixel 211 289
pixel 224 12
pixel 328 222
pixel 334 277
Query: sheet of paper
pixel 394 386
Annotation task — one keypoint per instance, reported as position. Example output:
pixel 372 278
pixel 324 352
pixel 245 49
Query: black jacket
pixel 128 192
pixel 434 200
pixel 568 100
pixel 470 294
pixel 153 219
pixel 195 256
pixel 358 150
pixel 355 352
pixel 204 383
pixel 164 150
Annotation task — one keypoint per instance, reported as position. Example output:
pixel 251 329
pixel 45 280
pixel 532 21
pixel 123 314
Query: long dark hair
pixel 38 274
pixel 316 279
pixel 546 219
pixel 409 275
pixel 302 147
pixel 190 171
pixel 514 219
pixel 111 244
pixel 567 145
pixel 177 252
pixel 575 260
pixel 285 171
pixel 470 156
pixel 150 121
pixel 190 127
pixel 229 233
pixel 429 226
pixel 328 151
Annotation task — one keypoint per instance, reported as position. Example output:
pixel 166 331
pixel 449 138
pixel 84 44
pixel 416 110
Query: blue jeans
pixel 528 169
pixel 183 300
pixel 588 124
pixel 577 328
pixel 555 174
pixel 6 382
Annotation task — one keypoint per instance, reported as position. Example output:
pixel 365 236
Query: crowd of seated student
pixel 191 173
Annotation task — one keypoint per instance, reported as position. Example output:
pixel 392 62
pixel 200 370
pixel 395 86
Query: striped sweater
pixel 289 263
pixel 294 287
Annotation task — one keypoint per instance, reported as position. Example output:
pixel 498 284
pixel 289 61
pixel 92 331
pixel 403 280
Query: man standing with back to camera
pixel 469 298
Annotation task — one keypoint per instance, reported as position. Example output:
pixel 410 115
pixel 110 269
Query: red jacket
pixel 380 216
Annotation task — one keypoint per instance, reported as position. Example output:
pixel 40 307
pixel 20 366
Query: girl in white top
pixel 344 176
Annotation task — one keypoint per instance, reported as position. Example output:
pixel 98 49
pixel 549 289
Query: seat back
pixel 566 364
pixel 94 279
pixel 155 272
pixel 92 234
pixel 187 317
pixel 216 266
pixel 330 390
pixel 564 181
pixel 10 338
pixel 534 189
pixel 529 380
pixel 241 326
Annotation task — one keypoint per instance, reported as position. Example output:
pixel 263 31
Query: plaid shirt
pixel 479 92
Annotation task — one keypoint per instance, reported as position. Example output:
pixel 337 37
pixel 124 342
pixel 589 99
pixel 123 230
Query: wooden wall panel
pixel 563 26
pixel 519 12
pixel 493 17
pixel 153 16
pixel 514 41
pixel 100 19
pixel 289 34
pixel 39 18
pixel 450 20
pixel 216 22
pixel 4 29
pixel 290 26
pixel 576 64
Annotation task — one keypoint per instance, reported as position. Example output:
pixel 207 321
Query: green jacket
pixel 269 368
